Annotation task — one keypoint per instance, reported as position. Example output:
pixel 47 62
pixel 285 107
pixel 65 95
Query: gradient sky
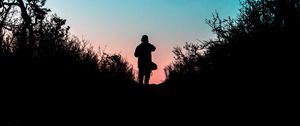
pixel 117 25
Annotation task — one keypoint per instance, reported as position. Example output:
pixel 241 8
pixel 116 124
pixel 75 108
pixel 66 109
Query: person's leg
pixel 141 76
pixel 147 76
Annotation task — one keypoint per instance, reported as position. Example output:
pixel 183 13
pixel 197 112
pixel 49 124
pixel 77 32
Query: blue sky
pixel 117 25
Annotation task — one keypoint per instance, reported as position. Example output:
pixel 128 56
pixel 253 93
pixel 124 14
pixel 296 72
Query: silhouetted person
pixel 143 53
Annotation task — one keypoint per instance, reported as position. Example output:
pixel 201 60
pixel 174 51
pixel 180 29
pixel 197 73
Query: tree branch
pixel 5 16
pixel 11 4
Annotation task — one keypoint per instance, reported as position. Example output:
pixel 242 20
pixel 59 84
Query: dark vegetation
pixel 250 53
pixel 38 48
pixel 44 70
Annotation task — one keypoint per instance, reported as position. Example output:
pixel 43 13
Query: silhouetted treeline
pixel 34 43
pixel 252 51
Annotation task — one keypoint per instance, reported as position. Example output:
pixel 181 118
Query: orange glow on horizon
pixel 162 56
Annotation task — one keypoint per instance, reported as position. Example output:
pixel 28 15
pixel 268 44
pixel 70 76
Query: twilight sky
pixel 118 25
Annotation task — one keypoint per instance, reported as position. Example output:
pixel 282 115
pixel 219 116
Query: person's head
pixel 145 39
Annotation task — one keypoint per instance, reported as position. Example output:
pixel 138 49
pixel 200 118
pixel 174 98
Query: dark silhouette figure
pixel 143 53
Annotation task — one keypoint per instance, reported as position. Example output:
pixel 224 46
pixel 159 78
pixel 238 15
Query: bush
pixel 258 45
pixel 33 41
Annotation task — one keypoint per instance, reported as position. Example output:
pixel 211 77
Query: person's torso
pixel 145 57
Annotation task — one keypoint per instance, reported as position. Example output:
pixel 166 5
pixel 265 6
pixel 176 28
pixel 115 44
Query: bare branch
pixel 11 4
pixel 5 16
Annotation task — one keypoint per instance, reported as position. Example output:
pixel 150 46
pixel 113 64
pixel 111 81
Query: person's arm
pixel 153 48
pixel 136 52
